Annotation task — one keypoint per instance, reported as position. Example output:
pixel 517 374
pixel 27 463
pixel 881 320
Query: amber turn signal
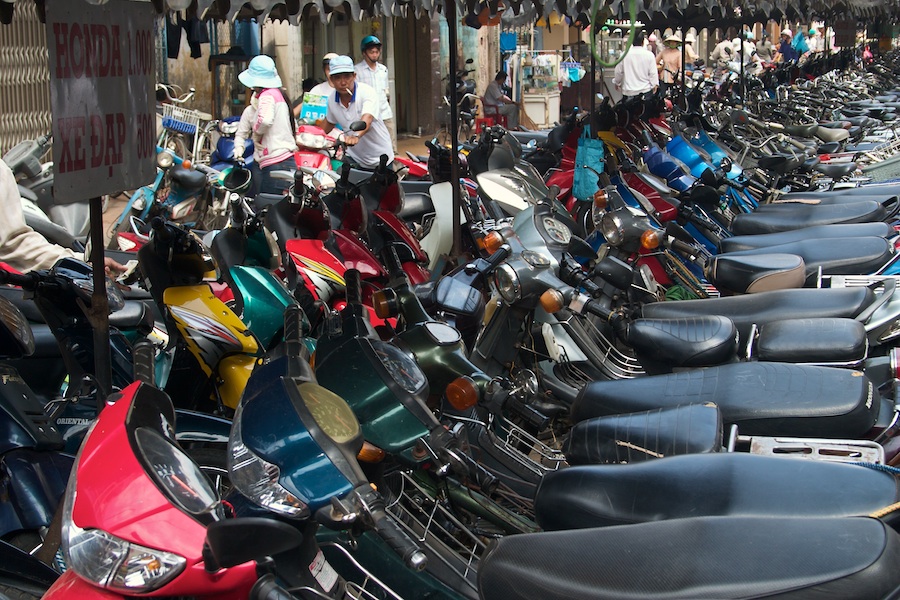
pixel 370 453
pixel 492 242
pixel 650 239
pixel 552 301
pixel 187 164
pixel 462 393
pixel 385 303
pixel 600 198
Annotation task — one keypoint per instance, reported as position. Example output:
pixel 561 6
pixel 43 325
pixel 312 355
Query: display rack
pixel 540 87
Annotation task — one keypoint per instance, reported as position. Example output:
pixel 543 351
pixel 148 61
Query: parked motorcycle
pixel 182 192
pixel 178 541
pixel 35 180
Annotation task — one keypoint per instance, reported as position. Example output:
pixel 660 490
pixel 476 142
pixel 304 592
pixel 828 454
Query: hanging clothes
pixel 195 30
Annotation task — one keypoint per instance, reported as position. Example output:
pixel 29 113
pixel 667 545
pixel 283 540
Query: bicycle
pixel 180 123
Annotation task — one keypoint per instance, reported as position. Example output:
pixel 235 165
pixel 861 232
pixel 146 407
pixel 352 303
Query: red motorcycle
pixel 141 519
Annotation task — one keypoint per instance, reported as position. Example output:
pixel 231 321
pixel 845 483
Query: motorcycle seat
pixel 704 557
pixel 415 206
pixel 836 170
pixel 776 305
pixel 827 134
pixel 762 398
pixel 842 124
pixel 131 316
pixel 187 179
pixel 832 198
pixel 840 256
pixel 810 163
pixel 784 217
pixel 837 342
pixel 830 147
pixel 726 484
pixel 766 240
pixel 664 344
pixel 804 131
pixel 780 163
pixel 749 274
pixel 640 436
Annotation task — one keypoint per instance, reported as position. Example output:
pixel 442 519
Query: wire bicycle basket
pixel 180 120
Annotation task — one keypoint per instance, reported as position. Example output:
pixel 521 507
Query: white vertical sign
pixel 102 95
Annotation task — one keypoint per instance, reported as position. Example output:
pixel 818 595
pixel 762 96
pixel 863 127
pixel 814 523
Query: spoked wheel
pixel 176 144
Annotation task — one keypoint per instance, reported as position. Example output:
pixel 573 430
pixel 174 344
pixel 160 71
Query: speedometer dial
pixel 557 231
pixel 333 415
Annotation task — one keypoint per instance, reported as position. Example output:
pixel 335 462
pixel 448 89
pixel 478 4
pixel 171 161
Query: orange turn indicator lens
pixel 552 301
pixel 650 239
pixel 492 242
pixel 370 453
pixel 462 393
pixel 385 303
pixel 600 198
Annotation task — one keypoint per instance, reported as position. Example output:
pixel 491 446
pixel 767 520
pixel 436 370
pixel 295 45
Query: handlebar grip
pixel 398 540
pixel 683 248
pixel 531 415
pixel 485 479
pixel 354 286
pixel 265 588
pixel 293 330
pixel 158 224
pixel 494 260
pixel 26 281
pixel 144 370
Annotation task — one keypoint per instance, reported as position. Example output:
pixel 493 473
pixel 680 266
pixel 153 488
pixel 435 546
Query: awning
pixel 714 13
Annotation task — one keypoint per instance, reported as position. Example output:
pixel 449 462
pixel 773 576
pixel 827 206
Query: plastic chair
pixel 493 111
pixel 482 122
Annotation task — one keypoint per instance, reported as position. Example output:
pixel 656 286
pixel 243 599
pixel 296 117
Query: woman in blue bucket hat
pixel 269 122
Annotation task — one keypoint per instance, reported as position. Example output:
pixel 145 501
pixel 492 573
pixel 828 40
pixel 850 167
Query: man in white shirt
pixel 636 73
pixel 355 101
pixel 373 73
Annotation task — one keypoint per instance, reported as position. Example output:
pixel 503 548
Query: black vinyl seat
pixel 700 558
pixel 765 240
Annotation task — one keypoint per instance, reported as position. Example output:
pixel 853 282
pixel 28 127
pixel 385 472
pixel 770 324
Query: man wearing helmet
pixel 786 52
pixel 373 73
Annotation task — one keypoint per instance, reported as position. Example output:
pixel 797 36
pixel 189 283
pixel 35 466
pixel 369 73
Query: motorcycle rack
pixel 846 451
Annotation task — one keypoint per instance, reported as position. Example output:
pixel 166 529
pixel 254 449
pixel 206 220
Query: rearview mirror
pixel 235 541
pixel 358 125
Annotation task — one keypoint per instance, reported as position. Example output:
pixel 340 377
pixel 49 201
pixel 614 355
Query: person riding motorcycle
pixel 355 101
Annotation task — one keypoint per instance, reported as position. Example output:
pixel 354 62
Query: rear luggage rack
pixel 846 451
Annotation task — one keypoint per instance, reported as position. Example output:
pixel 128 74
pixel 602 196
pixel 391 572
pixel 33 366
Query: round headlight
pixel 165 159
pixel 507 283
pixel 612 229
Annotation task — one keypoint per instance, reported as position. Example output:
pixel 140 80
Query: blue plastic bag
pixel 590 152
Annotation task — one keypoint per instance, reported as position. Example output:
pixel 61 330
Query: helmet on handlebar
pixel 369 41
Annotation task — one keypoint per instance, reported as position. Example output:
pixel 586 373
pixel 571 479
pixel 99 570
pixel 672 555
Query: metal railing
pixel 24 78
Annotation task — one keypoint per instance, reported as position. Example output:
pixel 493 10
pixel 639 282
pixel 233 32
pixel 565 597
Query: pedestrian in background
pixel 637 73
pixel 765 49
pixel 374 74
pixel 669 62
pixel 269 122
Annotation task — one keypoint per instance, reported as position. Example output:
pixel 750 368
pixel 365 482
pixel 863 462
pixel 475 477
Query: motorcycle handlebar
pixel 496 258
pixel 265 588
pixel 397 539
pixel 26 281
pixel 484 478
pixel 158 224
